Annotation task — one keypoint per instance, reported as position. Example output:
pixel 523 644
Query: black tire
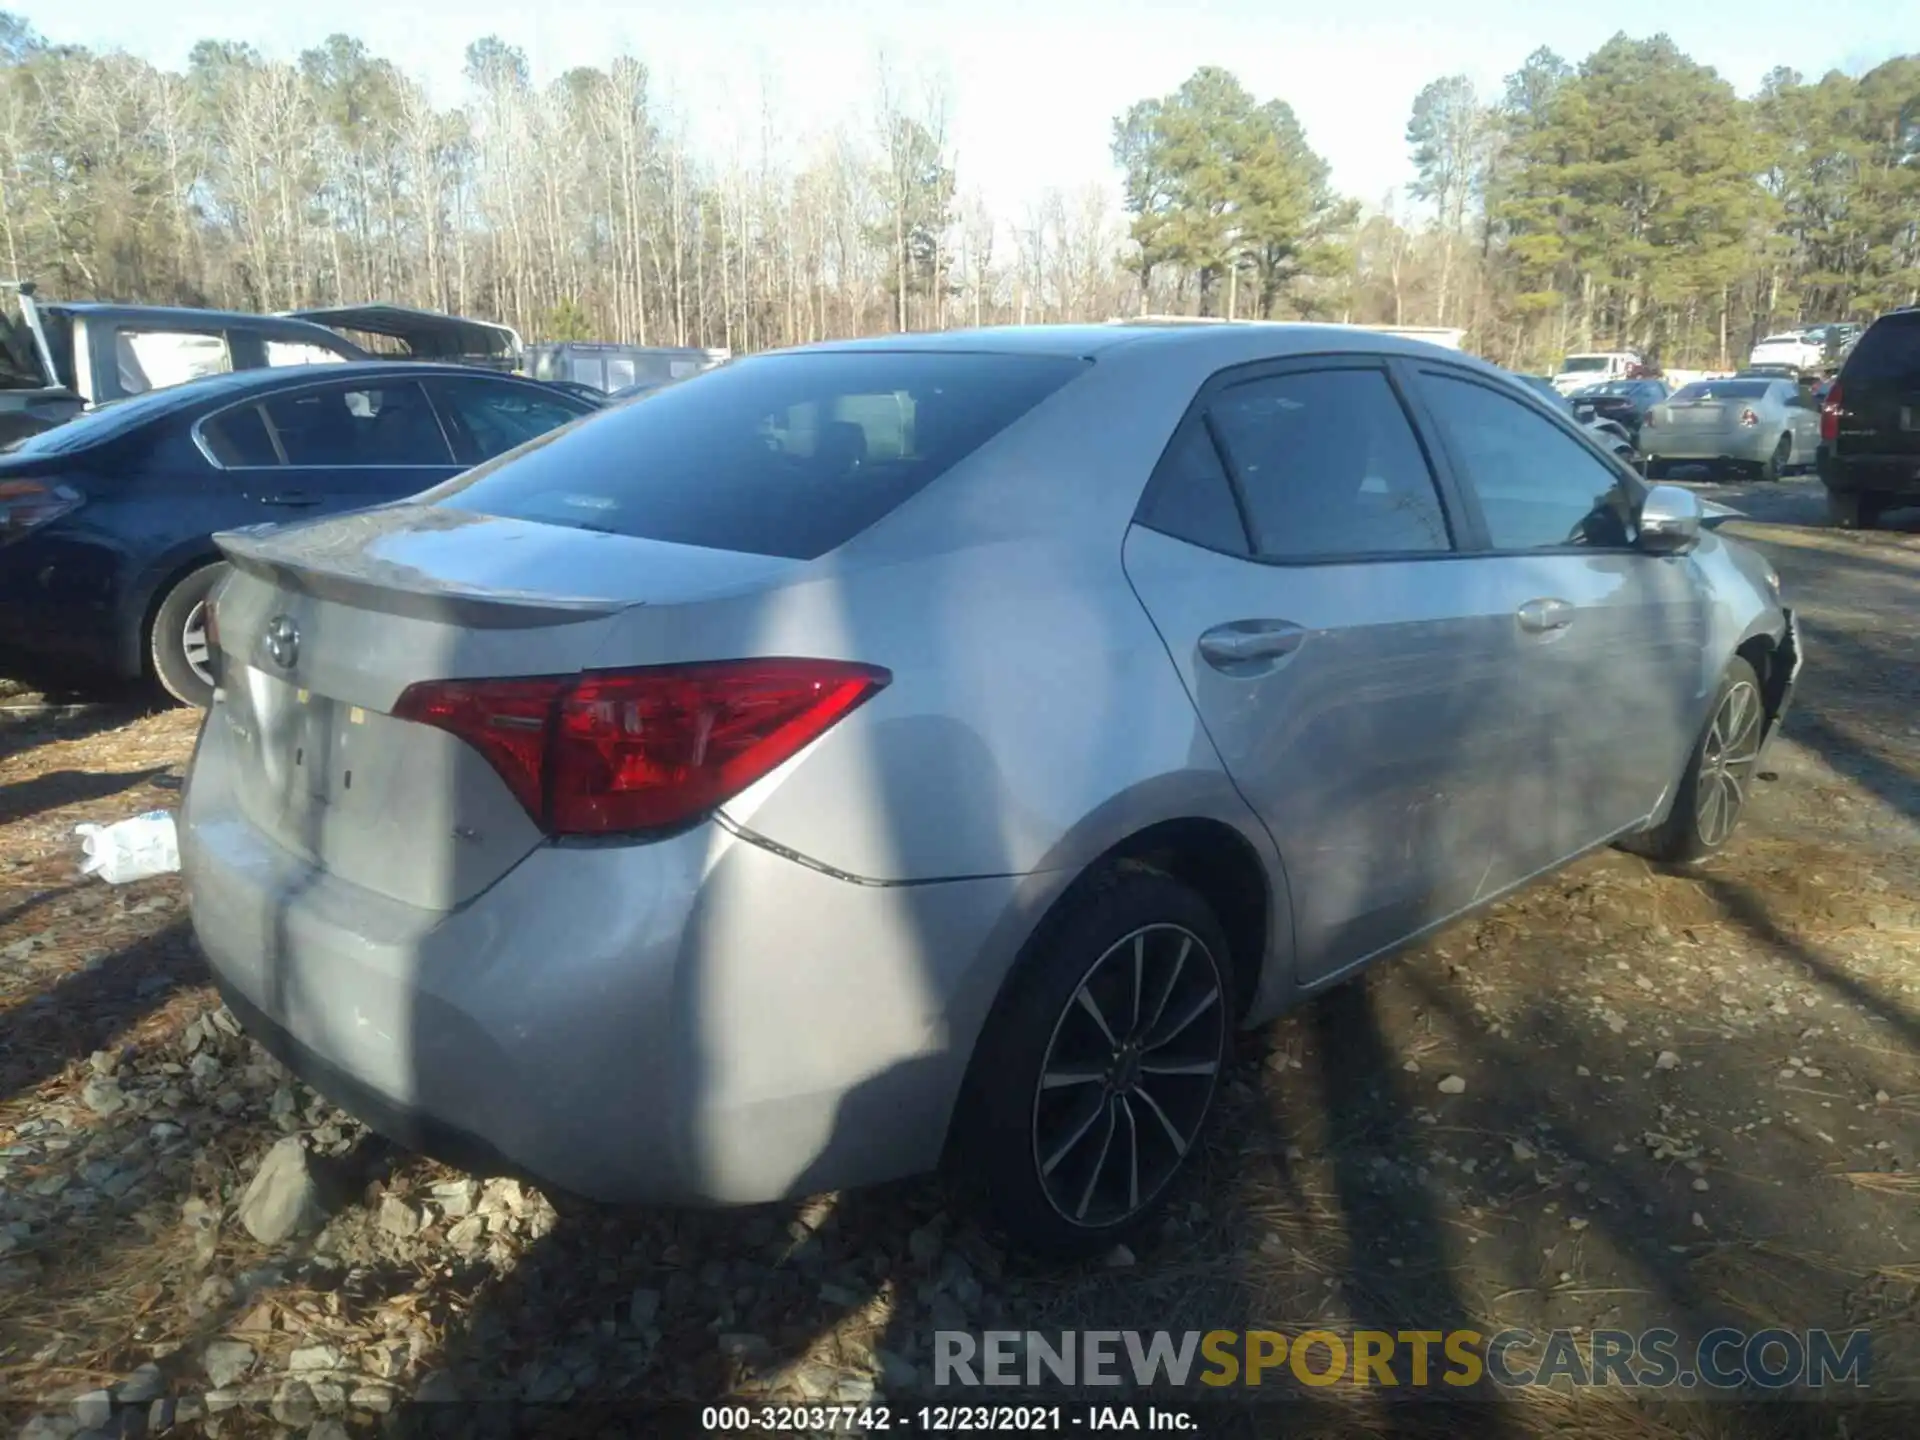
pixel 1656 469
pixel 1850 511
pixel 1727 754
pixel 1775 465
pixel 1052 1193
pixel 182 609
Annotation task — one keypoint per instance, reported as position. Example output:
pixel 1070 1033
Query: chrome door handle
pixel 1539 616
pixel 1247 642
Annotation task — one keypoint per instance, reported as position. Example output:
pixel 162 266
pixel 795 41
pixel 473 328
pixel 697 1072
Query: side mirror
pixel 1670 520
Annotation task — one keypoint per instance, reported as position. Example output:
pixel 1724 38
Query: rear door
pixel 324 448
pixel 1357 675
pixel 1614 638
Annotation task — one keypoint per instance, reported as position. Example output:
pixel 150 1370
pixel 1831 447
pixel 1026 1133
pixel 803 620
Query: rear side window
pixel 1329 466
pixel 1190 497
pixel 790 455
pixel 1888 354
pixel 390 425
pixel 240 438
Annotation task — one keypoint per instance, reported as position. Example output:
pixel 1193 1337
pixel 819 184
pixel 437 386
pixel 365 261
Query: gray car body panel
pixel 786 996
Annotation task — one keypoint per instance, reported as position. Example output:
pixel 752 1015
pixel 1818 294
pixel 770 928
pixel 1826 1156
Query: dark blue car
pixel 106 522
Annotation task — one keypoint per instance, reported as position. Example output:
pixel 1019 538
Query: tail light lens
pixel 28 504
pixel 1830 414
pixel 622 752
pixel 1749 417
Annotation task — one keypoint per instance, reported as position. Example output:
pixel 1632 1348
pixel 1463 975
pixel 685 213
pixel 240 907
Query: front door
pixel 1357 675
pixel 1615 638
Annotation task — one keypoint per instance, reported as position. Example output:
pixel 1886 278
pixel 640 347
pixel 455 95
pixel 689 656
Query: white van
pixel 1579 371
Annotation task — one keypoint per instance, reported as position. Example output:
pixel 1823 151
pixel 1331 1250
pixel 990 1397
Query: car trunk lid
pixel 323 626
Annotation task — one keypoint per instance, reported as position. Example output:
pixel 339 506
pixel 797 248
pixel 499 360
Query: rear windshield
pixel 1889 353
pixel 786 454
pixel 1724 390
pixel 97 426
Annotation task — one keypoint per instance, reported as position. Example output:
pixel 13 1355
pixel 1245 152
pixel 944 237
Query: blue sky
pixel 1033 87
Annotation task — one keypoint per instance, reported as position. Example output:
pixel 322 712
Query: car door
pixel 325 448
pixel 1803 420
pixel 486 416
pixel 1615 638
pixel 1355 676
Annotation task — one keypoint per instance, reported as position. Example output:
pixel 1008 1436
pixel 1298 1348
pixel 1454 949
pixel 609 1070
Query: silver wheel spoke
pixel 1133 1156
pixel 1085 998
pixel 1179 1141
pixel 1179 964
pixel 1099 1161
pixel 1193 1067
pixel 1194 1013
pixel 1060 1079
pixel 1139 979
pixel 1067 1146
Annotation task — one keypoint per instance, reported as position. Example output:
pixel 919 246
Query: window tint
pixel 493 418
pixel 154 359
pixel 1329 466
pixel 1723 390
pixel 1190 497
pixel 1889 353
pixel 1536 484
pixel 391 425
pixel 240 437
pixel 790 454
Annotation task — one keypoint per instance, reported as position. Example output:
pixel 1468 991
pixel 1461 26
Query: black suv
pixel 1870 424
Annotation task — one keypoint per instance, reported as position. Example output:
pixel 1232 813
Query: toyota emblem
pixel 283 641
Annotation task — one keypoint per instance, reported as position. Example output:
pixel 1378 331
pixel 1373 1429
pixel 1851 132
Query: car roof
pixel 1228 341
pixel 183 315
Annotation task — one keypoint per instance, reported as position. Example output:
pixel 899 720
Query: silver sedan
pixel 934 748
pixel 1764 426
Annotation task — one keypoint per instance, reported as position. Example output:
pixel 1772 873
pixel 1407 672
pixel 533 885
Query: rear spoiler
pixel 332 558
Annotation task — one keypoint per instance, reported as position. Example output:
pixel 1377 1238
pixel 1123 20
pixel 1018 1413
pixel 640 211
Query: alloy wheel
pixel 195 646
pixel 1726 762
pixel 1128 1076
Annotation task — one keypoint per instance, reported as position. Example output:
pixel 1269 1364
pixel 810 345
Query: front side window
pixel 1329 466
pixel 782 454
pixel 155 359
pixel 391 424
pixel 1537 486
pixel 497 417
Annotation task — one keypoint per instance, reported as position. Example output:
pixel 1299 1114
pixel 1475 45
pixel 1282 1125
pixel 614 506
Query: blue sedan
pixel 106 523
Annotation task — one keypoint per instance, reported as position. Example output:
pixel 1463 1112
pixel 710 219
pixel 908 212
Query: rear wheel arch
pixel 144 603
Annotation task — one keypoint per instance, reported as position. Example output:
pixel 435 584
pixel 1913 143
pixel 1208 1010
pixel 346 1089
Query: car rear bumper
pixel 695 1020
pixel 1745 446
pixel 1870 474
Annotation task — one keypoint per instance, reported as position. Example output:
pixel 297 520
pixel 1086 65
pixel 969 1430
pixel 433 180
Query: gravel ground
pixel 1621 1099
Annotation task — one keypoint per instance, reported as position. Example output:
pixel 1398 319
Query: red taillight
pixel 1748 417
pixel 1830 415
pixel 28 504
pixel 616 752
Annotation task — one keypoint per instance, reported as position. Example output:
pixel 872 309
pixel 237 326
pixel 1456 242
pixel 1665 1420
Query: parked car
pixel 936 746
pixel 619 367
pixel 98 352
pixel 1870 424
pixel 1764 426
pixel 1611 433
pixel 1797 349
pixel 1577 372
pixel 401 332
pixel 591 394
pixel 106 523
pixel 1626 402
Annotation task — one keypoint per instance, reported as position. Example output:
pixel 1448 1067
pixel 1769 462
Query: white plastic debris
pixel 130 849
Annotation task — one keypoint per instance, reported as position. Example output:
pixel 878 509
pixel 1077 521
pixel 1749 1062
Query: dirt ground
pixel 1623 1099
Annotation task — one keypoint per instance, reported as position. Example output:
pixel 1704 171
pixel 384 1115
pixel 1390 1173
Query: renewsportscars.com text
pixel 1725 1359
